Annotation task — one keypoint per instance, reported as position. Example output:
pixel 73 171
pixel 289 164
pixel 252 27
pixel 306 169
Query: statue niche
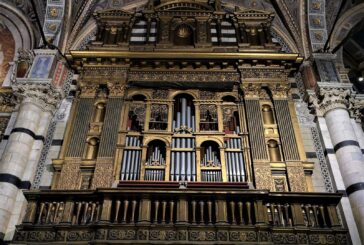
pixel 184 35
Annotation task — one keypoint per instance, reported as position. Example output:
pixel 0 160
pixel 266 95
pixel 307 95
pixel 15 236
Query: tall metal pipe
pixel 178 123
pixel 227 165
pixel 184 111
pixel 189 115
pixel 125 157
pixel 242 166
pixel 183 166
pixel 193 166
pixel 237 165
pixel 193 124
pixel 172 166
pixel 178 163
pixel 233 166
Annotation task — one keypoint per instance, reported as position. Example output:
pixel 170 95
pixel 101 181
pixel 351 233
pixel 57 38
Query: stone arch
pixel 154 138
pixel 21 30
pixel 344 25
pixel 174 94
pixel 134 93
pixel 210 138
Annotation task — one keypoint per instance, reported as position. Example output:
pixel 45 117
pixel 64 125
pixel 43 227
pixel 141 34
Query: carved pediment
pixel 183 6
pixel 254 15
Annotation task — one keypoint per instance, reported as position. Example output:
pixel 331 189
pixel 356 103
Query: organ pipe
pixel 131 159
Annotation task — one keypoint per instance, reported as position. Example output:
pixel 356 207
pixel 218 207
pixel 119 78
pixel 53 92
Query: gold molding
pixel 183 55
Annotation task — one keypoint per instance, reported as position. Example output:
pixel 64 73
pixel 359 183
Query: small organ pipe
pixel 242 166
pixel 124 164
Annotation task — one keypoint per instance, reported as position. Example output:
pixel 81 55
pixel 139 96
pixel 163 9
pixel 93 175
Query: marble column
pixel 331 102
pixel 39 98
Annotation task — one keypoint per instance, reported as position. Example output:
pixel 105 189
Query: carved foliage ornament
pixel 43 94
pixel 184 76
pixel 356 108
pixel 328 98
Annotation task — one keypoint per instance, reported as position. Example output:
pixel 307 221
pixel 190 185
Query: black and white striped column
pixel 25 141
pixel 39 94
pixel 332 106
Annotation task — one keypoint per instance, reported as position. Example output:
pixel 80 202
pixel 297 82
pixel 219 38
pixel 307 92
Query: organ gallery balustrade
pixel 219 212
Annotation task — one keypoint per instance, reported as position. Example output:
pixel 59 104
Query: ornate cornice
pixel 44 95
pixel 329 96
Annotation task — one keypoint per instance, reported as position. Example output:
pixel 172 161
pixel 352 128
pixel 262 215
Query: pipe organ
pixel 234 159
pixel 183 159
pixel 191 100
pixel 131 159
pixel 184 121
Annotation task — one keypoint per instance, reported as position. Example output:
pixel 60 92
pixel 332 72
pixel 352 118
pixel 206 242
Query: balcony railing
pixel 140 215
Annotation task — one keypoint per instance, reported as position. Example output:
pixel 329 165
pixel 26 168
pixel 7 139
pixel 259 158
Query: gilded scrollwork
pixel 70 177
pixel 263 176
pixel 296 177
pixel 103 176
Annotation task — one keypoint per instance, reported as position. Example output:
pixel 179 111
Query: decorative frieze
pixel 184 76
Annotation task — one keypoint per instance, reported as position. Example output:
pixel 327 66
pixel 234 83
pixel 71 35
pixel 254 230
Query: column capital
pixel 329 96
pixel 280 90
pixel 356 107
pixel 44 95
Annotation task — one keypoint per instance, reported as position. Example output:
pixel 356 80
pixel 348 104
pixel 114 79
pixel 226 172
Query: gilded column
pixel 40 93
